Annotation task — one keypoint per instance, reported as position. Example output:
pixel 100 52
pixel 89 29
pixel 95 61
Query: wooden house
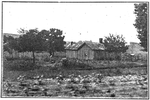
pixel 85 50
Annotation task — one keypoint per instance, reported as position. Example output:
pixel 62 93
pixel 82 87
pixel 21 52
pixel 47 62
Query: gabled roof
pixel 78 45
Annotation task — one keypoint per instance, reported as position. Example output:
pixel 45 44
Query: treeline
pixel 34 40
pixel 52 40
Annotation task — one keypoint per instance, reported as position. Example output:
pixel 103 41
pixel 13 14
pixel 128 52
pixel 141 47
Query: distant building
pixel 135 48
pixel 85 50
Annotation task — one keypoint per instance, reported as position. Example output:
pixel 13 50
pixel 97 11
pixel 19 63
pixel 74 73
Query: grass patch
pixel 13 68
pixel 19 65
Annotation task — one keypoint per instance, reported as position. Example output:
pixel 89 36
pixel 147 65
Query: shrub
pixel 46 59
pixel 64 62
pixel 25 58
pixel 75 64
pixel 118 71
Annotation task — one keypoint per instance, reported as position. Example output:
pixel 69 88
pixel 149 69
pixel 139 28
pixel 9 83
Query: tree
pixel 54 40
pixel 10 43
pixel 141 23
pixel 115 43
pixel 6 42
pixel 42 36
pixel 30 42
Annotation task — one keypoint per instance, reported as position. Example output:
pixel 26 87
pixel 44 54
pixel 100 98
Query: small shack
pixel 85 50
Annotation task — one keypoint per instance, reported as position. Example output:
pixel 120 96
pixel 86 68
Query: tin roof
pixel 92 45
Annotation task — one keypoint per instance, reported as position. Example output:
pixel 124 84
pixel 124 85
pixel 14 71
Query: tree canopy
pixel 141 23
pixel 115 43
pixel 29 42
pixel 10 43
pixel 34 40
pixel 54 40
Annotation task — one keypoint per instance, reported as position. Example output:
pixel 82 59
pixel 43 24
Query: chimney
pixel 72 43
pixel 100 40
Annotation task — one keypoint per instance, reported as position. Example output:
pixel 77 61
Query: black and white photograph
pixel 75 49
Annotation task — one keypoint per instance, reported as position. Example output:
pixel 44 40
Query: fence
pixel 109 56
pixel 39 56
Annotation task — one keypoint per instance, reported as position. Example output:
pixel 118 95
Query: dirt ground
pixel 66 83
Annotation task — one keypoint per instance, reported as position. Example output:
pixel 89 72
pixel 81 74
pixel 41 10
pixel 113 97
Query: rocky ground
pixel 77 86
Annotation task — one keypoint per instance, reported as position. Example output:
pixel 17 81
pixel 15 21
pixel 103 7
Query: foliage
pixel 141 23
pixel 7 39
pixel 34 41
pixel 10 43
pixel 46 59
pixel 30 42
pixel 115 43
pixel 53 40
pixel 7 48
pixel 75 64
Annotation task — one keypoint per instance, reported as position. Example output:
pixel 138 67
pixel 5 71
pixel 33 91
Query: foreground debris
pixel 94 85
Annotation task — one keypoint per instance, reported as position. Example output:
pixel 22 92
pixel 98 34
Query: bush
pixel 46 59
pixel 118 71
pixel 65 62
pixel 75 64
pixel 26 58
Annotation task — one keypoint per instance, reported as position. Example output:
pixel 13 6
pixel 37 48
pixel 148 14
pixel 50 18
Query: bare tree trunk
pixel 105 55
pixel 33 57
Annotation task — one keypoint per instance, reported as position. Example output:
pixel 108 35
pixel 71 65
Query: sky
pixel 78 21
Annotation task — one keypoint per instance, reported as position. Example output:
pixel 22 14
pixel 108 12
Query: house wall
pixel 71 54
pixel 85 53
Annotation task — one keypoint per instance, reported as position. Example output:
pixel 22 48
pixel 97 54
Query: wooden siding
pixel 85 53
pixel 71 54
